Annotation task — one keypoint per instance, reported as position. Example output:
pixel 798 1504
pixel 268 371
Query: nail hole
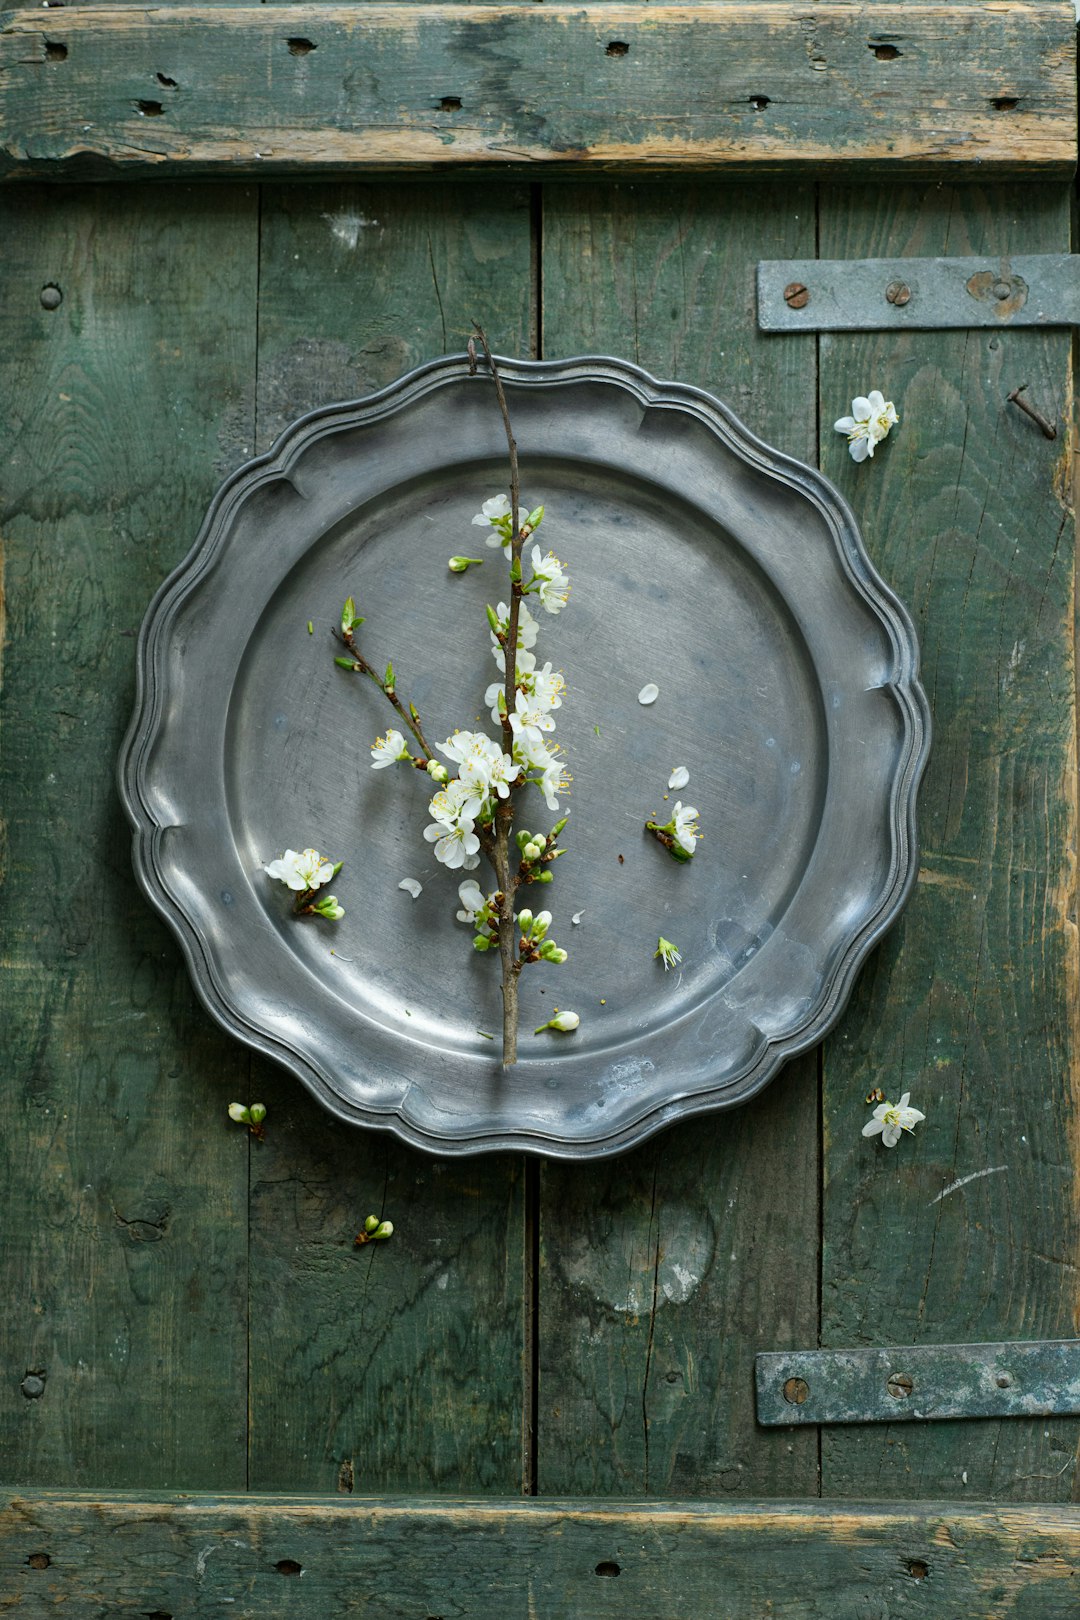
pixel 450 104
pixel 149 109
pixel 884 53
pixel 54 51
pixel 796 1390
pixel 163 78
pixel 301 47
pixel 289 1566
pixel 759 103
pixel 39 1560
pixel 608 1569
pixel 618 47
pixel 918 1570
pixel 1004 103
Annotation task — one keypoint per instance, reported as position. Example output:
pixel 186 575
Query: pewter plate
pixel 702 560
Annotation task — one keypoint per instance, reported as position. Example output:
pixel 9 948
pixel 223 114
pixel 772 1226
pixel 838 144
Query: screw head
pixel 796 296
pixel 33 1386
pixel 899 1386
pixel 1003 1381
pixel 51 297
pixel 1002 290
pixel 796 1391
pixel 897 292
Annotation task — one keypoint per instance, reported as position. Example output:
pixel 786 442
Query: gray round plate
pixel 702 560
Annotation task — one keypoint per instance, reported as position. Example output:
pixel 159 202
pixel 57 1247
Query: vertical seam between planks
pixel 536 246
pixel 530 1458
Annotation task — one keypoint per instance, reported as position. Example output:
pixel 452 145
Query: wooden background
pixel 192 1300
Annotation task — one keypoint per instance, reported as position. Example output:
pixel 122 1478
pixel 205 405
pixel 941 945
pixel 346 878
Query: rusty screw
pixel 796 1391
pixel 796 296
pixel 899 293
pixel 899 1386
pixel 1001 291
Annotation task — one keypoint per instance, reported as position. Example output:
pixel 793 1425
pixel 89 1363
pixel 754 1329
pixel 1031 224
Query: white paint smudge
pixel 976 1175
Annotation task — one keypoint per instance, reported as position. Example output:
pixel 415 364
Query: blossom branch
pixel 360 666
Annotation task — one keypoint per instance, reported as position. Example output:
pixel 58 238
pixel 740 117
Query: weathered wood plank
pixel 968 1230
pixel 127 350
pixel 663 1273
pixel 403 1365
pixel 277 1557
pixel 616 88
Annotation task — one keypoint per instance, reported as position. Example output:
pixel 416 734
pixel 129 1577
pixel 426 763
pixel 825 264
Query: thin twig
pixel 388 692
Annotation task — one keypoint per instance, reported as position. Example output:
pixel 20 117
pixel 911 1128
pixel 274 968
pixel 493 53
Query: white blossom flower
pixel 528 629
pixel 456 845
pixel 668 953
pixel 495 514
pixel 457 801
pixel 684 821
pixel 303 869
pixel 388 750
pixel 554 583
pixel 891 1118
pixel 679 777
pixel 239 1113
pixel 411 886
pixel 473 901
pixel 871 418
pixel 648 694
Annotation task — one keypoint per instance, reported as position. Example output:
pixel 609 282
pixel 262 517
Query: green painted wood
pixel 123 1266
pixel 663 1272
pixel 403 1365
pixel 967 1230
pixel 271 1558
pixel 748 88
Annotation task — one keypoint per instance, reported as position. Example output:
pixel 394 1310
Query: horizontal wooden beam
pixel 844 89
pixel 266 1557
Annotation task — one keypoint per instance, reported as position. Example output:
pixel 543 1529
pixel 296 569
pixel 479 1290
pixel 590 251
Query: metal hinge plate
pixel 869 295
pixel 919 1382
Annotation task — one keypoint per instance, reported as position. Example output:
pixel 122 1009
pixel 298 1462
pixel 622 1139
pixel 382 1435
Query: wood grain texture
pixel 403 1365
pixel 969 1229
pixel 663 1272
pixel 750 88
pixel 271 1558
pixel 124 1260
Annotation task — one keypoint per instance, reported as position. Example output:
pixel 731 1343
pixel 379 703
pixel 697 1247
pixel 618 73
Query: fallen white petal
pixel 576 918
pixel 411 886
pixel 649 694
pixel 679 777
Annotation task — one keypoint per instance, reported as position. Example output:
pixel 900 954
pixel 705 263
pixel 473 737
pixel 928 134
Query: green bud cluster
pixel 375 1231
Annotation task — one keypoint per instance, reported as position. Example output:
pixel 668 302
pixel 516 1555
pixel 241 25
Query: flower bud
pixel 239 1113
pixel 541 924
pixel 525 919
pixel 347 663
pixel 544 877
pixel 437 772
pixel 558 827
pixel 384 1229
pixel 371 1223
pixel 461 565
pixel 523 838
pixel 535 517
pixel 562 1021
pixel 493 620
pixel 257 1112
pixel 531 851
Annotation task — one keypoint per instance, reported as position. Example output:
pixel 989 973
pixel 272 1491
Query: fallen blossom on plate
pixel 411 886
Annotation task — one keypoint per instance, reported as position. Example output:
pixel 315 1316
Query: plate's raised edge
pixel 774 1050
